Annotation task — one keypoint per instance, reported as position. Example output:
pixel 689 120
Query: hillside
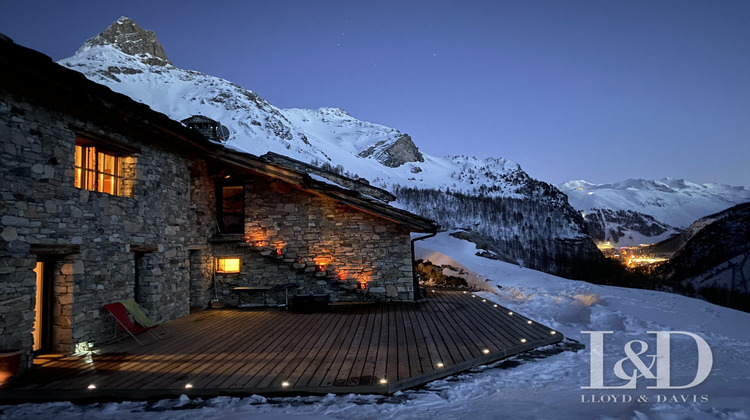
pixel 712 258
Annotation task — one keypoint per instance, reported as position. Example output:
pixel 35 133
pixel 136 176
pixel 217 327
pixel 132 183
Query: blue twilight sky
pixel 599 90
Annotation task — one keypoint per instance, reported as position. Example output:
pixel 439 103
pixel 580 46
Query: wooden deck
pixel 368 348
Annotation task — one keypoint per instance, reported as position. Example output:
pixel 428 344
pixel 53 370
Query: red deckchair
pixel 123 321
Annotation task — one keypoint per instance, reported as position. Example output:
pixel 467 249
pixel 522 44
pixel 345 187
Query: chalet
pixel 104 199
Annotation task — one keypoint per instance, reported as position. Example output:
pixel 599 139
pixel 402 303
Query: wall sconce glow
pixel 383 381
pixel 523 340
pixel 529 322
pixel 553 332
pixel 494 306
pixel 285 384
pixel 484 300
pixel 464 291
pixel 486 351
pixel 510 313
pixel 440 364
pixel 91 386
pixel 188 386
pixel 228 265
pixel 473 296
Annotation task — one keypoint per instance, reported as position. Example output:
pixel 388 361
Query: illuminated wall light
pixel 383 381
pixel 486 351
pixel 91 386
pixel 510 313
pixel 523 340
pixel 484 300
pixel 529 322
pixel 553 332
pixel 285 384
pixel 494 306
pixel 188 386
pixel 464 291
pixel 440 364
pixel 473 296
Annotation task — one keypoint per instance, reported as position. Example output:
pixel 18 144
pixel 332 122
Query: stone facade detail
pixel 324 247
pixel 41 206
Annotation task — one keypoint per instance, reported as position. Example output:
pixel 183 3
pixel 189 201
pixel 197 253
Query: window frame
pixel 97 169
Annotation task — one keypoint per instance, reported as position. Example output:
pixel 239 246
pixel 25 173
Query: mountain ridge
pixel 640 211
pixel 386 157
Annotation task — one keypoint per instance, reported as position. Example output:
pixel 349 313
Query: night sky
pixel 596 90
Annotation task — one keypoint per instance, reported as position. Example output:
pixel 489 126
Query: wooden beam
pixel 42 249
pixel 143 248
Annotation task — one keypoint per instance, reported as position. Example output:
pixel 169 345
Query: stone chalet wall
pixel 41 206
pixel 325 247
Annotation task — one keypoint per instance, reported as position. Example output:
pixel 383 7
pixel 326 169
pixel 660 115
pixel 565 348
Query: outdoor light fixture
pixel 494 306
pixel 285 384
pixel 188 386
pixel 529 322
pixel 486 351
pixel 510 313
pixel 440 364
pixel 384 381
pixel 91 386
pixel 553 332
pixel 523 340
pixel 484 300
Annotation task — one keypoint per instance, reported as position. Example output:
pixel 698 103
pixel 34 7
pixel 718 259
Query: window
pixel 228 265
pixel 97 170
pixel 231 208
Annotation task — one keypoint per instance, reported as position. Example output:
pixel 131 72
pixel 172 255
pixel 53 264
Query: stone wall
pixel 325 247
pixel 41 206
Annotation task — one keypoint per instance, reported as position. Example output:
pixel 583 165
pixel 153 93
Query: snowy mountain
pixel 551 235
pixel 639 211
pixel 381 154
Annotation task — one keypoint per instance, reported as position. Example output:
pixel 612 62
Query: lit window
pixel 97 170
pixel 227 265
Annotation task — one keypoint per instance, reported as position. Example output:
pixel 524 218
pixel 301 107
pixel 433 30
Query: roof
pixel 40 80
pixel 198 119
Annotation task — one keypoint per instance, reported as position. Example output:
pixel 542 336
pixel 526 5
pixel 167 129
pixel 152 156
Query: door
pixel 43 314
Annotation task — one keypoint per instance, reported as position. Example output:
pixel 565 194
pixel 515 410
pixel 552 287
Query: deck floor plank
pixel 348 348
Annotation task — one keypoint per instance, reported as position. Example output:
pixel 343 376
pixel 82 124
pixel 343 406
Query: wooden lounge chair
pixel 140 316
pixel 123 321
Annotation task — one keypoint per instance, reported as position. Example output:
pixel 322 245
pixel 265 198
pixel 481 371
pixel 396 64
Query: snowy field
pixel 547 388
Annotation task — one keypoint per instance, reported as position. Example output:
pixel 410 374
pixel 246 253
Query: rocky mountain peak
pixel 128 37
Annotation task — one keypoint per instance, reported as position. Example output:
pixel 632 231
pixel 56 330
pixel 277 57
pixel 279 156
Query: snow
pixel 533 389
pixel 257 127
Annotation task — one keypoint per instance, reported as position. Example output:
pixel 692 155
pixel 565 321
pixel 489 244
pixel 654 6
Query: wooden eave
pixel 342 195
